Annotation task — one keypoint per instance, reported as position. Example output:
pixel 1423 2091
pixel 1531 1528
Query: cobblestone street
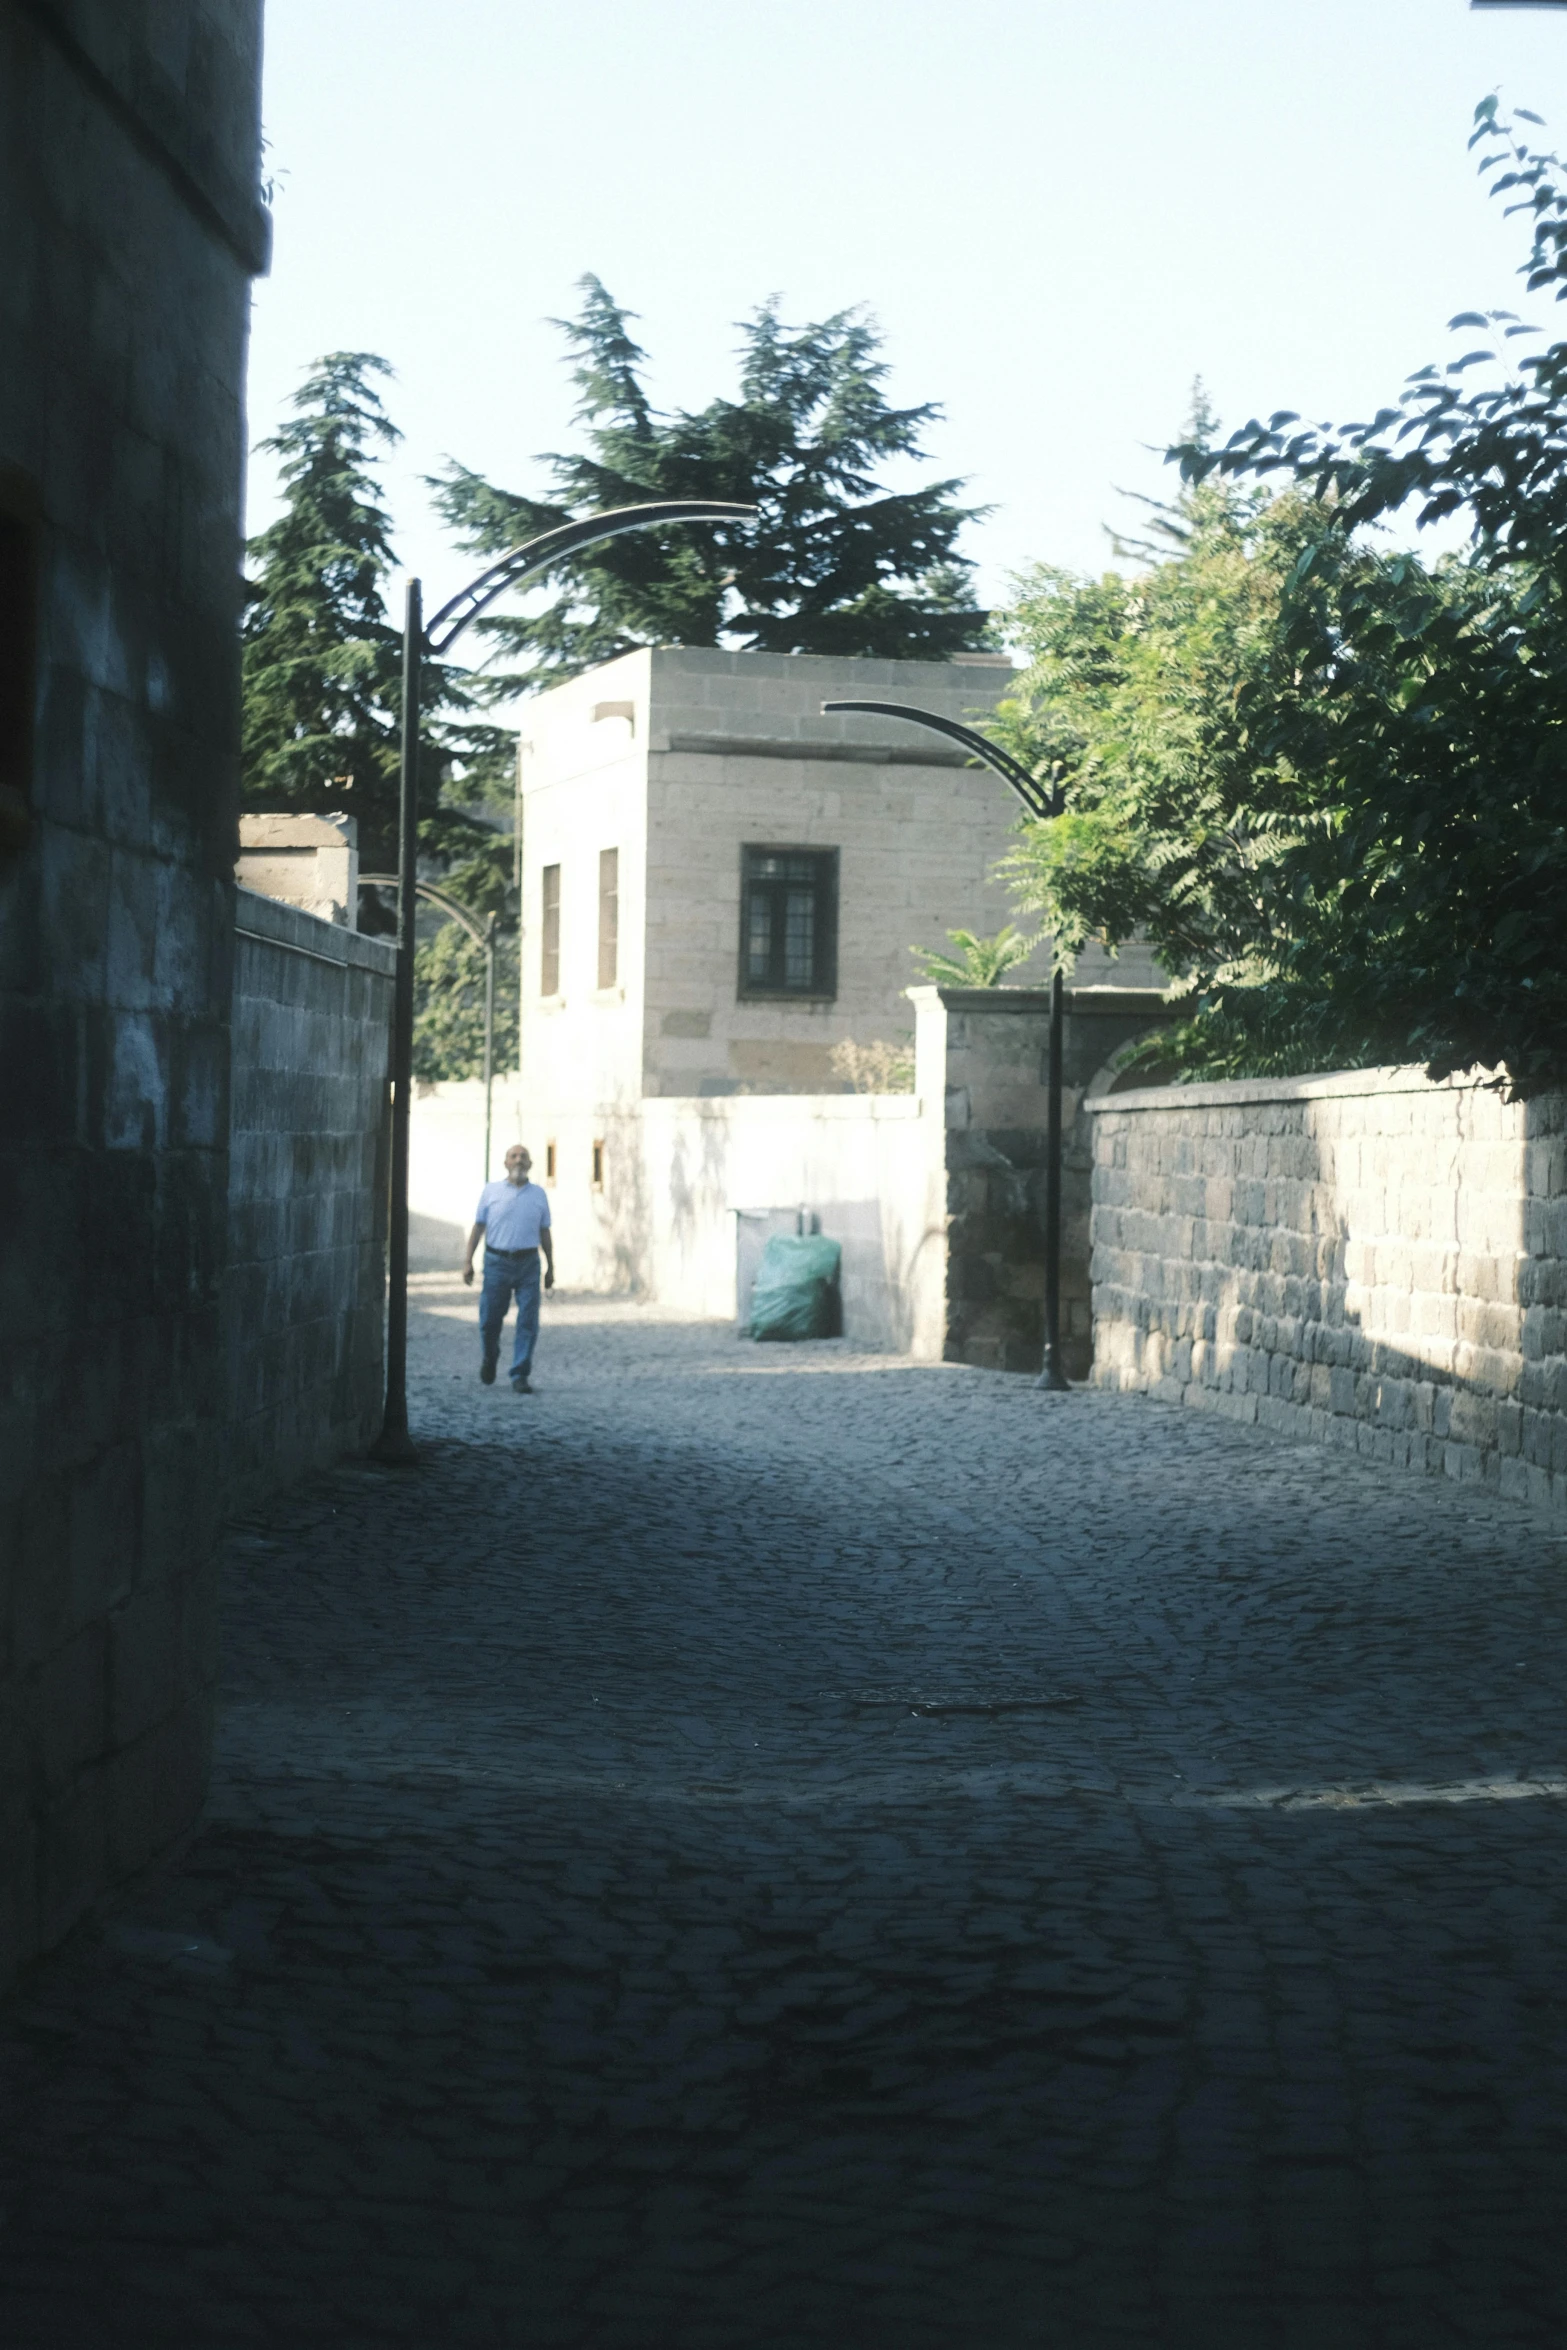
pixel 763 1847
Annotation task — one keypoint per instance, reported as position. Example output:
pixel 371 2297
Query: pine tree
pixel 836 562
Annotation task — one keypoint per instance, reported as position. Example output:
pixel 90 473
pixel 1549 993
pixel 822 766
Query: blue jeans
pixel 509 1271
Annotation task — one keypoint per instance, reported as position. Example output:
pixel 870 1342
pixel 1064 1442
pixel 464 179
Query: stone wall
pixel 1365 1259
pixel 304 1288
pixel 129 227
pixel 982 1053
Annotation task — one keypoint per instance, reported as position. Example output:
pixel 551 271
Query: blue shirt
pixel 513 1214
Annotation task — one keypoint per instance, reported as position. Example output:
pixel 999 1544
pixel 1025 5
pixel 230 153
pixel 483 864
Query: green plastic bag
pixel 796 1293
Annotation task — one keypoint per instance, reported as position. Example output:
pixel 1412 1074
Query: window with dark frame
pixel 18 656
pixel 788 922
pixel 549 1162
pixel 609 916
pixel 549 959
pixel 598 1166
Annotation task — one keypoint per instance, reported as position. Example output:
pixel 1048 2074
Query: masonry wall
pixel 129 228
pixel 983 1057
pixel 304 1287
pixel 740 754
pixel 1364 1259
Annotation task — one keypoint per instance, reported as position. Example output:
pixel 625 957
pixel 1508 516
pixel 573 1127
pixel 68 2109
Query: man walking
pixel 513 1219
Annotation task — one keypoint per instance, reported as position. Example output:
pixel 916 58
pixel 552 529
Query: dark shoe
pixel 487 1374
pixel 522 1386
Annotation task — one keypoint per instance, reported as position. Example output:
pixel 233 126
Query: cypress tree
pixel 323 662
pixel 322 685
pixel 320 657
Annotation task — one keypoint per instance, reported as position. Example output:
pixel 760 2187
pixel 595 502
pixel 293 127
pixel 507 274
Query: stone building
pixel 130 227
pixel 720 891
pixel 307 861
pixel 720 886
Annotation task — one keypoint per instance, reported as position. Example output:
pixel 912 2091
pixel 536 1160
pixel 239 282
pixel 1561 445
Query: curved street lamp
pixel 484 934
pixel 421 643
pixel 1040 803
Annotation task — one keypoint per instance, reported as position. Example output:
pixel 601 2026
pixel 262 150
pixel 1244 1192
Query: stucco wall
pixel 304 1287
pixel 662 1224
pixel 936 1195
pixel 1363 1258
pixel 446 1162
pixel 585 790
pixel 866 1167
pixel 129 225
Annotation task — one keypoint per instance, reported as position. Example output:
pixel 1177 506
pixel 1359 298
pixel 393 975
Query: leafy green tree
pixel 836 562
pixel 979 962
pixel 449 1004
pixel 1134 702
pixel 1327 777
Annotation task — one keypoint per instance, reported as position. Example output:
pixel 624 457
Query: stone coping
pixel 750 746
pixel 1110 1003
pixel 1236 1092
pixel 274 922
pixel 867 669
pixel 779 1108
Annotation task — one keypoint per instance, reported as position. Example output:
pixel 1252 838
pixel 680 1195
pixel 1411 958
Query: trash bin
pixel 796 1292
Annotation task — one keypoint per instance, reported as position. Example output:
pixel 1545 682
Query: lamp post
pixel 421 643
pixel 484 934
pixel 1040 803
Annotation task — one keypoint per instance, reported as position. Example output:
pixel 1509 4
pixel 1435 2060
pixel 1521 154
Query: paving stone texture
pixel 771 1847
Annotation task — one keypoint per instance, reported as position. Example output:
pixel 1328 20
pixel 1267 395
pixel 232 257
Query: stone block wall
pixel 304 1287
pixel 1364 1259
pixel 129 228
pixel 982 1054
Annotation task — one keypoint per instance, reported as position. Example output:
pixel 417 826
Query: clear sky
pixel 1059 210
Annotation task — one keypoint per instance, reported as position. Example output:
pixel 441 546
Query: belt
pixel 493 1249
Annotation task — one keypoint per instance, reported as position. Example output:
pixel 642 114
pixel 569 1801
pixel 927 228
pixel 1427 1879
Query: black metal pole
pixel 489 1033
pixel 1053 1375
pixel 394 1442
pixel 540 554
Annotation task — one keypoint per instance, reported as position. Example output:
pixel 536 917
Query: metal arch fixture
pixel 437 897
pixel 455 615
pixel 1029 789
pixel 1039 803
pixel 419 643
pixel 482 934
